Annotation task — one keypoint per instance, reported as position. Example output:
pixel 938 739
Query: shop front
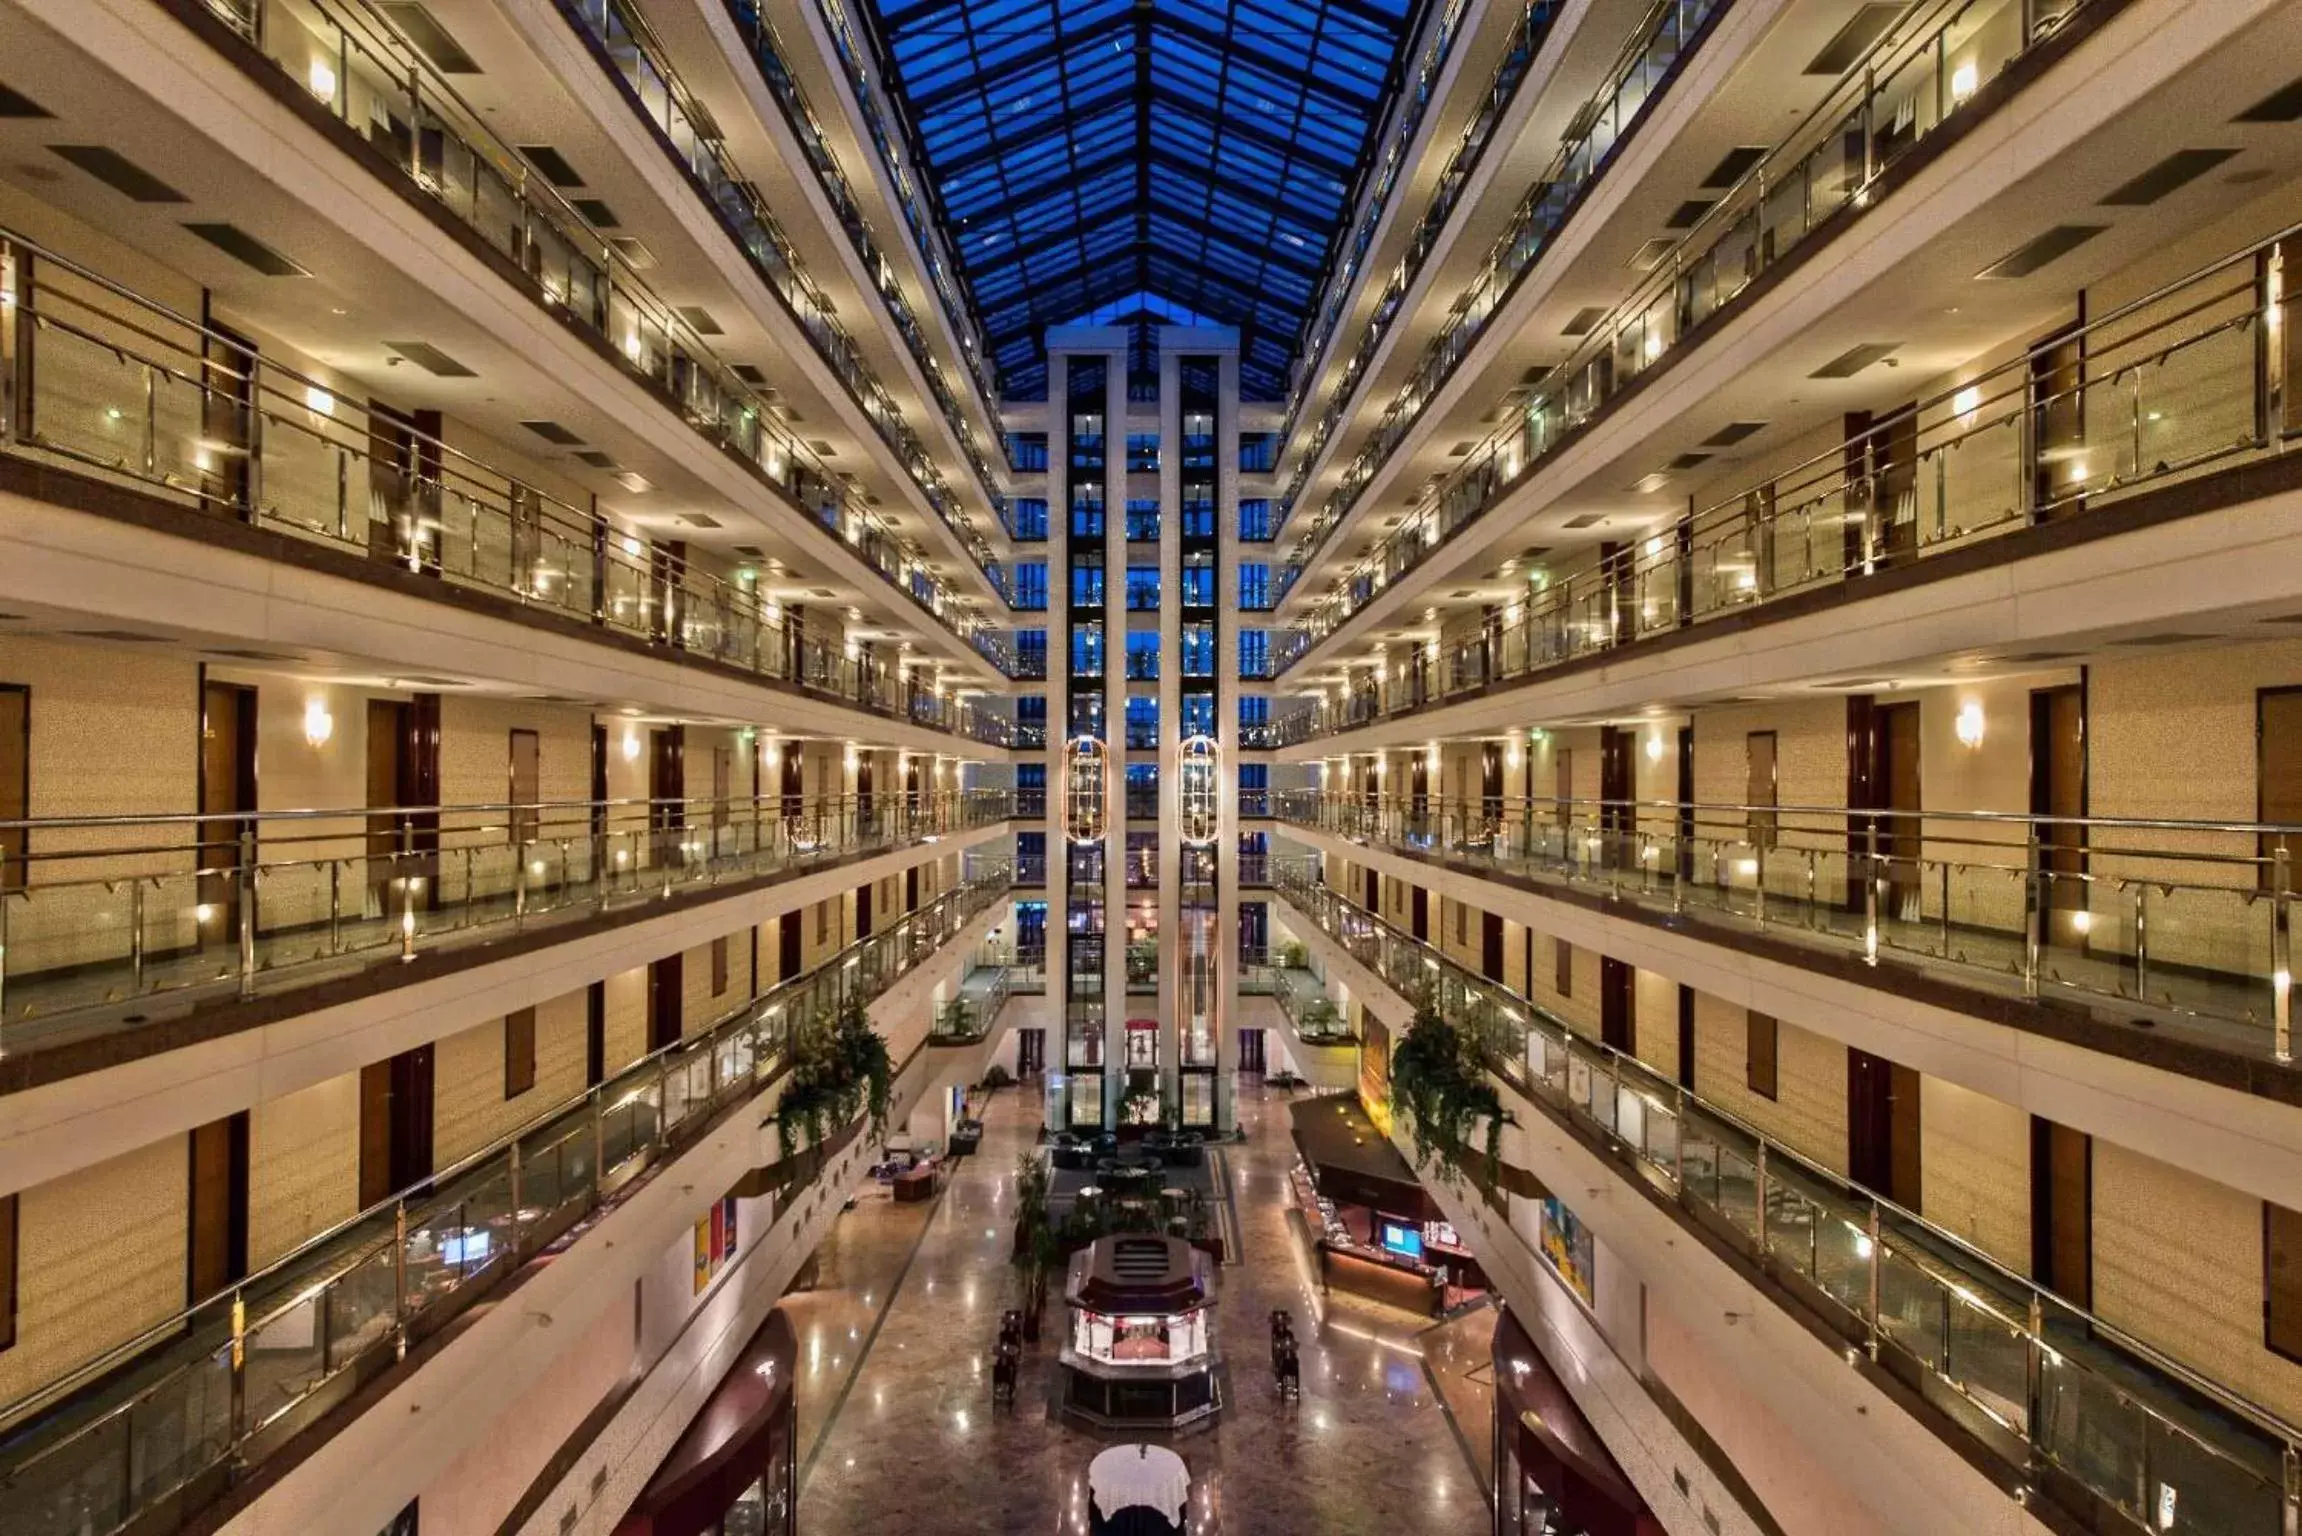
pixel 1140 1351
pixel 735 1469
pixel 1370 1228
pixel 1553 1475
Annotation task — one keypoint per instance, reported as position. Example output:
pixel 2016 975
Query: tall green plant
pixel 1437 1080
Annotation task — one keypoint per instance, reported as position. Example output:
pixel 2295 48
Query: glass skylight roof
pixel 1109 158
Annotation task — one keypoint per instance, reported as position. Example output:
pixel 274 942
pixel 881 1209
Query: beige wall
pixel 303 1166
pixel 101 1258
pixel 469 1109
pixel 1974 1175
pixel 626 1023
pixel 2178 1261
pixel 1808 1112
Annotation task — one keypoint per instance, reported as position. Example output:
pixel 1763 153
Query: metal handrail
pixel 1903 46
pixel 407 68
pixel 1432 960
pixel 980 891
pixel 2217 299
pixel 600 20
pixel 287 399
pixel 1692 16
pixel 1641 849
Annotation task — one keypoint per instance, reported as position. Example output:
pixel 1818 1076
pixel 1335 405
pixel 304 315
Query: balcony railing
pixel 117 386
pixel 629 48
pixel 1530 26
pixel 196 1404
pixel 2192 919
pixel 97 913
pixel 355 66
pixel 967 1019
pixel 888 137
pixel 1926 72
pixel 1302 997
pixel 2081 1411
pixel 2184 381
pixel 1646 64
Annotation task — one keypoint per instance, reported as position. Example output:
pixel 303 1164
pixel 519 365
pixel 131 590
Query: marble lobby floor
pixel 915 1446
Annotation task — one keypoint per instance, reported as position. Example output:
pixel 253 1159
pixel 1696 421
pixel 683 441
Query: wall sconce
pixel 1963 81
pixel 1970 724
pixel 321 77
pixel 630 745
pixel 1966 402
pixel 631 546
pixel 1654 746
pixel 319 725
pixel 853 757
pixel 1511 754
pixel 318 401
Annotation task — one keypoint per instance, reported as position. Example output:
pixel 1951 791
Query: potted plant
pixel 1034 1249
pixel 1439 1083
pixel 1321 1017
pixel 1294 957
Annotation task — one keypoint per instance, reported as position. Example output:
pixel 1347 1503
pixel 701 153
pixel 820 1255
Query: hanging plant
pixel 1437 1079
pixel 840 1067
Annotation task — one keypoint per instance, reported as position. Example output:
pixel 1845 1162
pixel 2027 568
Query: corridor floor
pixel 913 1444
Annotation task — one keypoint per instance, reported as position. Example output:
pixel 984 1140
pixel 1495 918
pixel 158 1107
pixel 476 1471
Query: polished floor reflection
pixel 912 1442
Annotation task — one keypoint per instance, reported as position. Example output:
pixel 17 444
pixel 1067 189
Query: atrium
pixel 1226 766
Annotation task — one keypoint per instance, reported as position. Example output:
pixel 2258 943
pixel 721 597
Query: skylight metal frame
pixel 1204 152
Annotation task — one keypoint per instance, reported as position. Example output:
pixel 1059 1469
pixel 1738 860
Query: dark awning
pixel 1557 1446
pixel 1353 1163
pixel 728 1443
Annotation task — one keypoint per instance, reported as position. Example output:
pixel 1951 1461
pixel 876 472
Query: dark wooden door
pixel 227 791
pixel 789 949
pixel 595 1034
pixel 1251 1058
pixel 404 487
pixel 1491 785
pixel 911 889
pixel 227 416
pixel 665 992
pixel 2058 791
pixel 667 791
pixel 1030 1052
pixel 2062 1210
pixel 1618 1004
pixel 1684 792
pixel 1618 791
pixel 1419 912
pixel 217 1242
pixel 395 1124
pixel 1491 945
pixel 863 911
pixel 1883 1127
pixel 15 782
pixel 2278 779
pixel 2058 425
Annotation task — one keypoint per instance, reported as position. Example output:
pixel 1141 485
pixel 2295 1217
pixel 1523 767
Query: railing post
pixel 399 1279
pixel 515 1180
pixel 2290 1506
pixel 239 1374
pixel 244 882
pixel 2034 1375
pixel 519 883
pixel 1759 866
pixel 2273 351
pixel 1871 879
pixel 1877 1264
pixel 2282 953
pixel 1759 1211
pixel 2141 940
pixel 15 333
pixel 407 890
pixel 2031 918
pixel 135 936
pixel 1678 1142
